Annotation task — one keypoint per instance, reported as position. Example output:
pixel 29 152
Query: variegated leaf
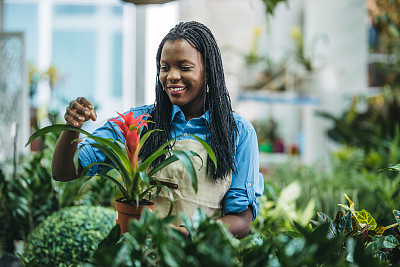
pixel 390 241
pixel 322 217
pixel 345 226
pixel 365 218
pixel 397 216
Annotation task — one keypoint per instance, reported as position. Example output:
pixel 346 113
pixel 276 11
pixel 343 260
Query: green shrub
pixel 69 235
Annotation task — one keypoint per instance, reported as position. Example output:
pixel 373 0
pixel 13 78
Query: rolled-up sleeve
pixel 248 183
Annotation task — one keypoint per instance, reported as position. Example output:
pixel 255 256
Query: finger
pixel 86 103
pixel 74 115
pixel 93 114
pixel 71 121
pixel 79 109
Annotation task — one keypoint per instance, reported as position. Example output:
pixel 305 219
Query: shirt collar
pixel 176 111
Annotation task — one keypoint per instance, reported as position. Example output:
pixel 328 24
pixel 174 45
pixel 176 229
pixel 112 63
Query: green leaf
pixel 120 186
pixel 390 241
pixel 145 178
pixel 393 168
pixel 322 217
pixel 187 163
pixel 397 217
pixel 207 148
pixel 345 226
pixel 365 218
pixel 170 160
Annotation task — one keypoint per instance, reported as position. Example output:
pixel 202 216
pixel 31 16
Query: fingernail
pixel 75 123
pixel 87 112
pixel 81 118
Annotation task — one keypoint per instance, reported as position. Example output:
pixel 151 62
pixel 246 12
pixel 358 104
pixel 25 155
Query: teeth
pixel 176 89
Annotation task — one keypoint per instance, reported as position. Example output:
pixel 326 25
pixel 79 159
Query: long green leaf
pixel 170 160
pixel 107 143
pixel 124 192
pixel 160 151
pixel 119 165
pixel 87 168
pixel 142 140
pixel 210 152
pixel 145 178
pixel 188 164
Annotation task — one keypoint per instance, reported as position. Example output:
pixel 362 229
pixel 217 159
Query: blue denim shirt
pixel 247 184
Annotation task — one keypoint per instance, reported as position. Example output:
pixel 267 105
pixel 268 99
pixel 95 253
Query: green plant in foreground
pixel 361 226
pixel 151 242
pixel 137 177
pixel 68 236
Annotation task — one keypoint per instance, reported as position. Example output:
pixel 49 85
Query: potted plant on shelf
pixel 134 179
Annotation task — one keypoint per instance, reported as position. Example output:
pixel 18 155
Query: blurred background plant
pixel 69 236
pixel 31 195
pixel 270 5
pixel 325 186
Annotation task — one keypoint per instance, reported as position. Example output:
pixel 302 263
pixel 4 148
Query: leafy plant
pixel 361 226
pixel 270 5
pixel 69 236
pixel 137 178
pixel 374 129
pixel 277 213
pixel 152 242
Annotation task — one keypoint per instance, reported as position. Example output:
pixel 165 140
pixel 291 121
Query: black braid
pixel 222 127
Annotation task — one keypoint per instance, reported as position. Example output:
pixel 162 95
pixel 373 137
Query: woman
pixel 191 98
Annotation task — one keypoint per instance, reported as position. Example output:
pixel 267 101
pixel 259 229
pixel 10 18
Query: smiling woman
pixel 182 77
pixel 192 102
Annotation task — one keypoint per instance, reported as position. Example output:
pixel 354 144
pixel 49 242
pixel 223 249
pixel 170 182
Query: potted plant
pixel 134 179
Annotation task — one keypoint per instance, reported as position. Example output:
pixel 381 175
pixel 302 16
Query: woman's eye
pixel 185 67
pixel 163 68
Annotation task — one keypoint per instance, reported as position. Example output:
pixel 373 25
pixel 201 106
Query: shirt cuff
pixel 236 201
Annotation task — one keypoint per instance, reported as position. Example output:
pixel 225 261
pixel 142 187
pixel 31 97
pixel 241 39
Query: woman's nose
pixel 174 74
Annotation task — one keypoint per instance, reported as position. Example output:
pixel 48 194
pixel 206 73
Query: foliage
pixel 32 195
pixel 123 157
pixel 270 5
pixel 69 235
pixel 347 173
pixel 151 242
pixel 361 226
pixel 300 53
pixel 375 129
pixel 277 213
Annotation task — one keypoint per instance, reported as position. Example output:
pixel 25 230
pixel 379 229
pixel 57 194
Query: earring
pixel 207 90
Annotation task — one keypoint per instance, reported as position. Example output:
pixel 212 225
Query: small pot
pixel 128 211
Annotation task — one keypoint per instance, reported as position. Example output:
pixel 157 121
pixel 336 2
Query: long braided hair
pixel 222 127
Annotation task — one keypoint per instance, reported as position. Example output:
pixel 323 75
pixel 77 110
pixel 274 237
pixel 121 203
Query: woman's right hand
pixel 79 111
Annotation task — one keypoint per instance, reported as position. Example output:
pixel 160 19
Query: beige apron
pixel 209 195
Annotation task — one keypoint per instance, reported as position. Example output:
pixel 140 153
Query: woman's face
pixel 181 75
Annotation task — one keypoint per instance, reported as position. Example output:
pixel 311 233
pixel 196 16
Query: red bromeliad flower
pixel 130 127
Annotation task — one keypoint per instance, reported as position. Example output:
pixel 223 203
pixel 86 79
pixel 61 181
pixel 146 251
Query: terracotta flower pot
pixel 128 211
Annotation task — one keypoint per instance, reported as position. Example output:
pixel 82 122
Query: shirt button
pixel 249 184
pixel 185 134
